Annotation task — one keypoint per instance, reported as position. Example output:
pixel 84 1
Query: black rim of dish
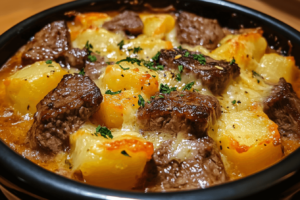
pixel 50 183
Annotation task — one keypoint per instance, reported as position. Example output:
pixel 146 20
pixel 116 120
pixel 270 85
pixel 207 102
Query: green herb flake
pixel 136 49
pixel 50 66
pixel 200 58
pixel 178 77
pixel 98 52
pixel 152 97
pixel 186 54
pixel 82 72
pixel 161 96
pixel 149 102
pixel 180 67
pixel 108 63
pixel 92 58
pixel 160 67
pixel 258 81
pixel 104 132
pixel 179 47
pixel 188 86
pixel 141 101
pixel 232 61
pixel 48 61
pixel 130 60
pixel 113 93
pixel 153 76
pixel 233 102
pixel 182 95
pixel 120 44
pixel 124 68
pixel 155 58
pixel 125 153
pixel 88 47
pixel 165 89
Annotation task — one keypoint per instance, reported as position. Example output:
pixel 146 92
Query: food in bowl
pixel 149 101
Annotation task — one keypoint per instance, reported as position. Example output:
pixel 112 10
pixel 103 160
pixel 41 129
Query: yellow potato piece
pixel 273 66
pixel 111 163
pixel 157 25
pixel 114 108
pixel 28 86
pixel 136 78
pixel 248 140
pixel 247 49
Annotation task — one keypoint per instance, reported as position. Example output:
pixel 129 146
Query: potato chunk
pixel 247 49
pixel 115 109
pixel 249 141
pixel 111 163
pixel 157 25
pixel 136 78
pixel 273 66
pixel 27 87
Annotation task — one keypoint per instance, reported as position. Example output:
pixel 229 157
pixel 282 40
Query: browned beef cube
pixel 201 169
pixel 127 21
pixel 283 107
pixel 214 74
pixel 75 58
pixel 48 44
pixel 185 111
pixel 195 30
pixel 62 112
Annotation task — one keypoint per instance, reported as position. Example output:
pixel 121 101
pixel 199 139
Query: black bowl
pixel 27 180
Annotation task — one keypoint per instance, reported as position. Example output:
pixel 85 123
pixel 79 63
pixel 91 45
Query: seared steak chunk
pixel 48 44
pixel 201 169
pixel 283 107
pixel 127 21
pixel 62 112
pixel 75 57
pixel 195 30
pixel 93 69
pixel 214 74
pixel 186 111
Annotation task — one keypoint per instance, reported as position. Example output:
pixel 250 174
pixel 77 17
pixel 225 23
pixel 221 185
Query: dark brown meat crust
pixel 127 21
pixel 211 75
pixel 185 111
pixel 195 30
pixel 283 107
pixel 48 44
pixel 93 69
pixel 63 111
pixel 75 57
pixel 203 169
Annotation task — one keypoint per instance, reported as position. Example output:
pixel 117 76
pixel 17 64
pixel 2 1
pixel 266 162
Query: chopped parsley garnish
pixel 149 102
pixel 153 76
pixel 104 132
pixel 188 86
pixel 125 153
pixel 150 65
pixel 113 93
pixel 136 49
pixel 130 60
pixel 155 58
pixel 108 63
pixel 200 58
pixel 152 97
pixel 82 72
pixel 178 77
pixel 160 67
pixel 233 102
pixel 258 81
pixel 165 89
pixel 48 61
pixel 161 96
pixel 50 66
pixel 141 101
pixel 254 73
pixel 186 54
pixel 124 68
pixel 92 58
pixel 88 47
pixel 182 95
pixel 232 61
pixel 98 52
pixel 120 44
pixel 180 67
pixel 179 47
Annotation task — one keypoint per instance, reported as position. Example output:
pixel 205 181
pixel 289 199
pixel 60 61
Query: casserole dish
pixel 27 176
